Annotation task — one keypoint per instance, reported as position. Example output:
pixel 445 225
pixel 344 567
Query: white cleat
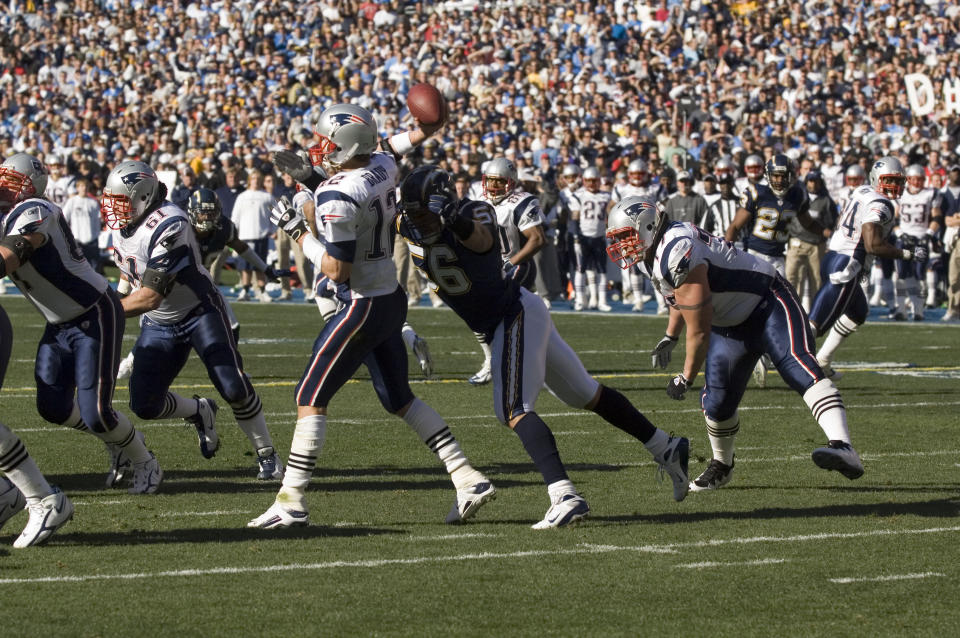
pixel 126 367
pixel 265 297
pixel 147 476
pixel 470 500
pixel 841 457
pixel 205 422
pixel 12 500
pixel 46 516
pixel 279 517
pixel 714 477
pixel 120 465
pixel 482 377
pixel 604 307
pixel 422 352
pixel 578 306
pixel 675 463
pixel 569 508
pixel 270 466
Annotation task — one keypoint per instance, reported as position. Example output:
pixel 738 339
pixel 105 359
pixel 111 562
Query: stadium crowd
pixel 210 90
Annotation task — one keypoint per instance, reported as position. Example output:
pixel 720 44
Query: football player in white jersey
pixel 921 215
pixel 23 486
pixel 638 185
pixel 588 224
pixel 865 223
pixel 753 169
pixel 180 310
pixel 355 209
pixel 76 365
pixel 521 235
pixel 735 307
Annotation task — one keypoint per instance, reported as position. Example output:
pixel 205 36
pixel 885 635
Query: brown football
pixel 426 103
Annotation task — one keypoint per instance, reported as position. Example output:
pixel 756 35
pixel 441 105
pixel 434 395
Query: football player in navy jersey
pixel 454 243
pixel 736 307
pixel 354 210
pixel 182 310
pixel 76 364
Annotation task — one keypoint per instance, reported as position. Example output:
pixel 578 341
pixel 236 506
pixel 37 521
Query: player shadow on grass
pixel 936 508
pixel 238 534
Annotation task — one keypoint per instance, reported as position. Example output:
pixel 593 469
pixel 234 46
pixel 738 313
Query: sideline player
pixel 736 307
pixel 454 243
pixel 866 222
pixel 76 364
pixel 354 211
pixel 181 310
pixel 921 216
pixel 588 220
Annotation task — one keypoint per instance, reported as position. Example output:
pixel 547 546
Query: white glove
pixel 661 354
pixel 288 219
pixel 849 273
pixel 293 165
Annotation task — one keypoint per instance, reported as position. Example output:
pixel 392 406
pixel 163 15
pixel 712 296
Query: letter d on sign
pixel 920 89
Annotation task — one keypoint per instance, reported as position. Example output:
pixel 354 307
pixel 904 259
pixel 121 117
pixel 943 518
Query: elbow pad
pixel 19 246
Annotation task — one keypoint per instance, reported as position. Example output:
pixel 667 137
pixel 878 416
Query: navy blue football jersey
pixel 224 233
pixel 770 216
pixel 470 283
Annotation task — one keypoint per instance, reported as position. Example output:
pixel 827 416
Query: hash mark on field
pixel 878 579
pixel 448 537
pixel 210 513
pixel 419 560
pixel 745 563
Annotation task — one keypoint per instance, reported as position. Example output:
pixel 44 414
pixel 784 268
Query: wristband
pixel 313 249
pixel 400 143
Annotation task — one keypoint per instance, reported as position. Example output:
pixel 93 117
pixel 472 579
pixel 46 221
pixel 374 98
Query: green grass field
pixel 785 549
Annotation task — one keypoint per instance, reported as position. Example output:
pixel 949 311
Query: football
pixel 426 104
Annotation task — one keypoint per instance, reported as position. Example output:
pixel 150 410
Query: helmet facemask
pixel 14 186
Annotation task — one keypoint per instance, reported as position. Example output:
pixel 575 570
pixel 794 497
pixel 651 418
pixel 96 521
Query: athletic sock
pixel 616 409
pixel 540 445
pixel 22 471
pixel 436 435
pixel 826 404
pixel 308 437
pixel 250 419
pixel 723 435
pixel 175 406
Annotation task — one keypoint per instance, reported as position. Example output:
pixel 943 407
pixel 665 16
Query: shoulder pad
pixel 675 260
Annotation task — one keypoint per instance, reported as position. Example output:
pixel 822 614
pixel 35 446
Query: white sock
pixel 75 422
pixel 723 435
pixel 308 438
pixel 602 290
pixel 931 282
pixel 657 444
pixel 250 419
pixel 842 328
pixel 636 286
pixel 124 436
pixel 485 348
pixel 560 488
pixel 409 335
pixel 175 406
pixel 436 435
pixel 22 471
pixel 579 286
pixel 825 402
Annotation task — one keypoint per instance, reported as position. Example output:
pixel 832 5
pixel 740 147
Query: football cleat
pixel 244 295
pixel 279 517
pixel 637 307
pixel 569 508
pixel 663 311
pixel 126 367
pixel 897 316
pixel 270 465
pixel 714 477
pixel 918 317
pixel 12 500
pixel 482 377
pixel 578 306
pixel 469 501
pixel 829 372
pixel 146 476
pixel 422 352
pixel 675 463
pixel 760 374
pixel 841 457
pixel 120 465
pixel 604 307
pixel 46 516
pixel 265 297
pixel 204 420
pixel 950 315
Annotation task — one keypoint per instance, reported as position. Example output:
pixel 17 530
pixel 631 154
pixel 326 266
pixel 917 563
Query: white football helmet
pixel 22 176
pixel 637 173
pixel 632 228
pixel 916 178
pixel 131 188
pixel 344 131
pixel 887 178
pixel 571 176
pixel 855 176
pixel 591 179
pixel 725 171
pixel 499 179
pixel 753 167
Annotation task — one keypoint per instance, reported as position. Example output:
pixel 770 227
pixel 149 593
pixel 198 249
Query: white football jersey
pixel 355 211
pixel 57 279
pixel 843 196
pixel 593 211
pixel 654 191
pixel 916 210
pixel 164 241
pixel 517 212
pixel 865 205
pixel 738 281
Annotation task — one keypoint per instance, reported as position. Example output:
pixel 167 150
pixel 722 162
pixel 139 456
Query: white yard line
pixel 483 556
pixel 745 563
pixel 880 579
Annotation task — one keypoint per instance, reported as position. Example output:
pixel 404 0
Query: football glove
pixel 509 269
pixel 443 207
pixel 921 252
pixel 677 388
pixel 661 354
pixel 293 165
pixel 286 217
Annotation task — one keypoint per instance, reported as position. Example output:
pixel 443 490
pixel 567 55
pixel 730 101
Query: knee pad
pixel 723 427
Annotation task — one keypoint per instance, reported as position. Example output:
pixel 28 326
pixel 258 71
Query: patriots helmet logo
pixel 342 119
pixel 132 178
